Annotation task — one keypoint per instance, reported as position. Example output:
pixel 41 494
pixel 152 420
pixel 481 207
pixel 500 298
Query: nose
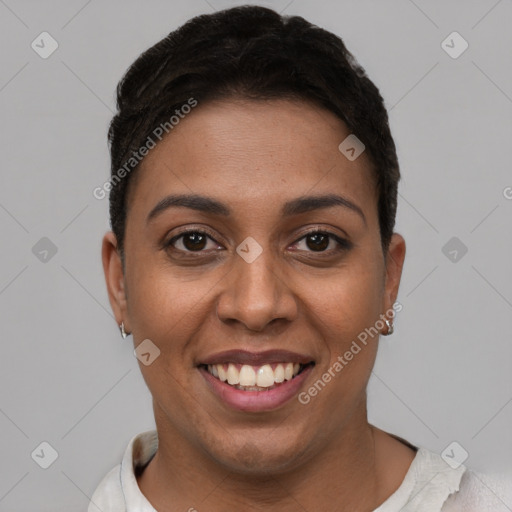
pixel 255 295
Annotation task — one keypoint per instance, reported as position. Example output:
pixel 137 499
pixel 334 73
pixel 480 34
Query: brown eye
pixel 322 242
pixel 193 241
pixel 317 241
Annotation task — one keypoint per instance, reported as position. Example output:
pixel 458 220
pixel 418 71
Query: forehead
pixel 247 150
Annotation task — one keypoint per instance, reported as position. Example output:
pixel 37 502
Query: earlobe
pixel 114 278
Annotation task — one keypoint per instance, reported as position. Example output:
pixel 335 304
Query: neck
pixel 343 476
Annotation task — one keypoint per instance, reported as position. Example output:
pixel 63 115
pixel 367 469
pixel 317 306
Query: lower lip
pixel 256 401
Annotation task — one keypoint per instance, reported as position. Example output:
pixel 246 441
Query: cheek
pixel 345 310
pixel 344 313
pixel 347 302
pixel 167 311
pixel 162 305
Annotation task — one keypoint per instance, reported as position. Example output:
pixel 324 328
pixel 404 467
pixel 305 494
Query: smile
pixel 255 382
pixel 255 378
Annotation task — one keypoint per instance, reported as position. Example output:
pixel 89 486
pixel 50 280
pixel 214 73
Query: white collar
pixel 139 452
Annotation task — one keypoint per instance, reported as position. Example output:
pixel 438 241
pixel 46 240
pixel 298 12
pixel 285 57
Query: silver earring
pixel 390 326
pixel 124 334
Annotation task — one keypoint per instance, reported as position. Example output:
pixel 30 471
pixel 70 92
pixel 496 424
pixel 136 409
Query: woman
pixel 253 260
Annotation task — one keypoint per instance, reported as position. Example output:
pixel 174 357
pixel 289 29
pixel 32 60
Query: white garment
pixel 430 485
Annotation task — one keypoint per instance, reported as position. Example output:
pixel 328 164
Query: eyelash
pixel 343 244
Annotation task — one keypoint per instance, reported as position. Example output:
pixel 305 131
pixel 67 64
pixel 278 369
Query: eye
pixel 321 241
pixel 193 241
pixel 197 241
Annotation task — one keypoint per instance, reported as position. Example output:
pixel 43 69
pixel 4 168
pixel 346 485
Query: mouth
pixel 256 382
pixel 256 378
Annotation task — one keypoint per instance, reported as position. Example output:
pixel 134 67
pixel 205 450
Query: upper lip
pixel 256 358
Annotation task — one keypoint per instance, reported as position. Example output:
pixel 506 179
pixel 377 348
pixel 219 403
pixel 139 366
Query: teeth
pixel 223 376
pixel 254 378
pixel 265 376
pixel 247 376
pixel 288 371
pixel 279 373
pixel 233 375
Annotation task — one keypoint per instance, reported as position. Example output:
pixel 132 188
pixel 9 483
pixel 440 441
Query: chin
pixel 260 455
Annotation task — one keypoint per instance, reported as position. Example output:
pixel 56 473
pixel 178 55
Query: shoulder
pixel 109 493
pixel 118 491
pixel 481 493
pixel 428 483
pixel 434 480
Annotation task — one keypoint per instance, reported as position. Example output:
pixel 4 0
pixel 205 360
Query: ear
pixel 114 278
pixel 394 264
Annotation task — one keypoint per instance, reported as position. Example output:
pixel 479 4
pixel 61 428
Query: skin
pixel 254 156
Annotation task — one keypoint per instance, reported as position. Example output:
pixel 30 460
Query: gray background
pixel 68 378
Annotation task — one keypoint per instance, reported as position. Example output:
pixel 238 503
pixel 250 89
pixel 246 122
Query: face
pixel 253 254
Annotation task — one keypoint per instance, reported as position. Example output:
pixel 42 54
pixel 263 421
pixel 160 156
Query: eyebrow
pixel 309 203
pixel 294 207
